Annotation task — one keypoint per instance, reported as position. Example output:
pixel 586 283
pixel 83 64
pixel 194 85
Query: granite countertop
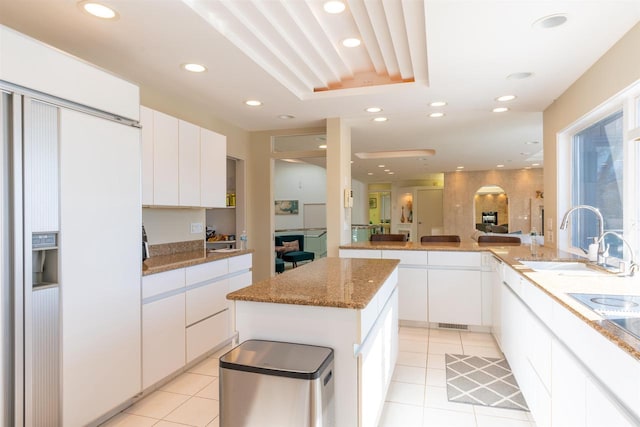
pixel 161 263
pixel 327 282
pixel 555 285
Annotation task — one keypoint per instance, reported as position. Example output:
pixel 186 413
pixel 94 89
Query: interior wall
pixel 298 181
pixel 613 72
pixel 360 210
pixel 521 187
pixel 167 225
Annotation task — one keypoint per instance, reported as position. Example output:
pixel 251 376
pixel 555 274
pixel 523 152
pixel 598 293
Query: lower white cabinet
pixel 206 334
pixel 455 296
pixel 185 313
pixel 163 338
pixel 412 294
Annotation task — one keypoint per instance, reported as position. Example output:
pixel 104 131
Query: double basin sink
pixel 622 311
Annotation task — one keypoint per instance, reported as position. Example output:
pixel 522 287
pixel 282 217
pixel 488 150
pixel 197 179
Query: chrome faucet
pixel 632 261
pixel 565 222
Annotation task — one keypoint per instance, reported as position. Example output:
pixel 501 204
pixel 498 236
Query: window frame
pixel 627 101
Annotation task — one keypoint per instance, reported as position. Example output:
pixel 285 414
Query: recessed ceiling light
pixel 527 167
pixel 370 173
pixel 499 166
pixel 460 167
pixel 500 109
pixel 438 104
pixel 387 170
pixel 395 154
pixel 436 115
pixel 286 116
pixel 519 76
pixel 391 173
pixel 351 42
pixel 323 146
pixel 505 98
pixel 334 7
pixel 535 164
pixel 99 10
pixel 352 162
pixel 550 21
pixel 380 119
pixel 373 110
pixel 194 68
pixel 253 103
pixel 380 166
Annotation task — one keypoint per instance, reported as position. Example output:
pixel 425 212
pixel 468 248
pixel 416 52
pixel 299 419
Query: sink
pixel 565 268
pixel 609 305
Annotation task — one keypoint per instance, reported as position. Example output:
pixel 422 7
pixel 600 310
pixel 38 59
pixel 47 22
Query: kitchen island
pixel 349 305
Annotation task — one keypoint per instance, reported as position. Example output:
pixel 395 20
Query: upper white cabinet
pixel 182 164
pixel 213 169
pixel 188 164
pixel 165 160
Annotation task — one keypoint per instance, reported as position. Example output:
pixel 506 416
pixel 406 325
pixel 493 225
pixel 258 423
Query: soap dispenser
pixel 592 254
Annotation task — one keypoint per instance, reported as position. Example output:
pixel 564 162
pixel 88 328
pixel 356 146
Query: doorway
pixel 430 212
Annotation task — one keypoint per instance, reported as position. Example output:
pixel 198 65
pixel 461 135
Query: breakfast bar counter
pixel 349 305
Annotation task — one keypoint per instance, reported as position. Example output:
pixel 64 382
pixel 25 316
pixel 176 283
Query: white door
pixel 430 217
pixel 100 226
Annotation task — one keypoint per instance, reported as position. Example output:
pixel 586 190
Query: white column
pixel 338 182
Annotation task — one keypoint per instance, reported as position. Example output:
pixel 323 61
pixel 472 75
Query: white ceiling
pixel 287 53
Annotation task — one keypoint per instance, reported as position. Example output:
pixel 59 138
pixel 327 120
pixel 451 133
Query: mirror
pixel 491 209
pixel 380 210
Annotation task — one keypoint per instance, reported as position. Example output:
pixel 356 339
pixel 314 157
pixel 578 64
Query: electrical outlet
pixel 196 227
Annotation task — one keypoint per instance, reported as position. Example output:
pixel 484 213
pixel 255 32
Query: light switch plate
pixel 196 227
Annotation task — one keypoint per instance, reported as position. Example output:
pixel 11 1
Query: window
pixel 597 154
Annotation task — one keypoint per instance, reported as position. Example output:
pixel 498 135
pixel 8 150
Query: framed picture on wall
pixel 286 207
pixel 373 203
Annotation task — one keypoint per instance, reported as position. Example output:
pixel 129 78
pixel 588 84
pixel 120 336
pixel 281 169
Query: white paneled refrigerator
pixel 70 260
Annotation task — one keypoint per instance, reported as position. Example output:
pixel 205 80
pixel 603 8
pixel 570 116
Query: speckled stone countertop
pixel 160 263
pixel 556 286
pixel 327 282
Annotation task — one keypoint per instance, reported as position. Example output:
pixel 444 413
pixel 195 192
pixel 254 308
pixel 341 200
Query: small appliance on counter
pixel 145 244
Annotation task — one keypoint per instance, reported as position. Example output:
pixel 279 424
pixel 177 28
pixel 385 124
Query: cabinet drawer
pixel 162 282
pixel 407 257
pixel 239 263
pixel 207 271
pixel 240 281
pixel 455 259
pixel 206 300
pixel 207 334
pixel 360 253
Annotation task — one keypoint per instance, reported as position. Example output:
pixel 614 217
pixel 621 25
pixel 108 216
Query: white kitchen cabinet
pixel 213 169
pixel 568 389
pixel 602 410
pixel 182 164
pixel 146 121
pixel 239 281
pixel 412 294
pixel 165 160
pixel 360 253
pixel 163 338
pixel 207 334
pixel 188 164
pixel 412 284
pixel 206 300
pixel 455 296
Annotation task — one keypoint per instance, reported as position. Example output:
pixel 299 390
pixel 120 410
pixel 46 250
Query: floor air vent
pixel 452 326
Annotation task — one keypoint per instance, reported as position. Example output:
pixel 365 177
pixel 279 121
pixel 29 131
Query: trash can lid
pixel 278 358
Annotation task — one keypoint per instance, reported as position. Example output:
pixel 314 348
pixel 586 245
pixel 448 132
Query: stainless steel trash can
pixel 270 383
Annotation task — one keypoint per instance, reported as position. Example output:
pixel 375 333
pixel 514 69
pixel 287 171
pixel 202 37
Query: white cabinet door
pixel 412 294
pixel 568 389
pixel 601 411
pixel 189 163
pixel 100 278
pixel 146 121
pixel 213 169
pixel 163 338
pixel 165 160
pixel 360 253
pixel 455 296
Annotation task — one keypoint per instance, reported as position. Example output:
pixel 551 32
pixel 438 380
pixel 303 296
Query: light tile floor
pixel 417 395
